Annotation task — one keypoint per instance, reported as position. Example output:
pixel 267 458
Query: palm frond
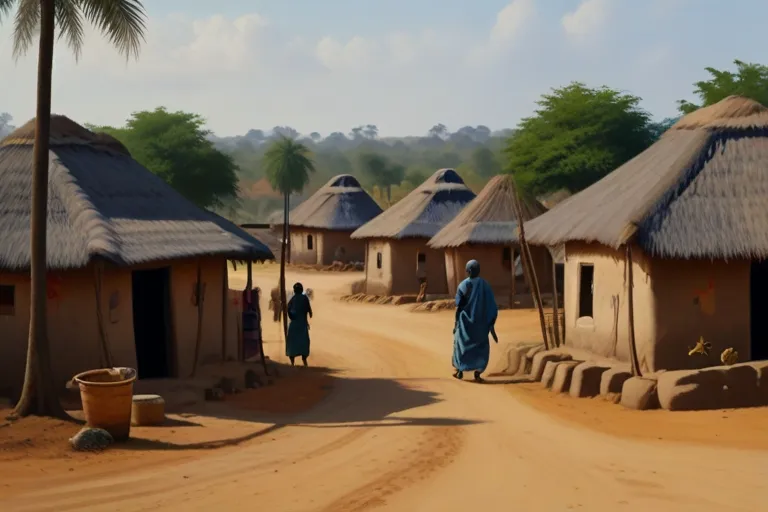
pixel 26 26
pixel 70 23
pixel 122 21
pixel 5 7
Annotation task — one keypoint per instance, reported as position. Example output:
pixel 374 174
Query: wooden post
pixel 199 340
pixel 631 315
pixel 224 310
pixel 513 284
pixel 529 270
pixel 555 305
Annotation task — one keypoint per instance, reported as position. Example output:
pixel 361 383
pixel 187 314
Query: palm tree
pixel 123 23
pixel 288 165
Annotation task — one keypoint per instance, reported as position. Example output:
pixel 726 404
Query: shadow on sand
pixel 375 402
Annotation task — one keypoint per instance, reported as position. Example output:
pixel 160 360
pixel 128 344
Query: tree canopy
pixel 383 173
pixel 577 136
pixel 288 165
pixel 750 80
pixel 174 146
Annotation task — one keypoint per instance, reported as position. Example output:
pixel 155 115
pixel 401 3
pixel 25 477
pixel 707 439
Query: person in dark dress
pixel 299 313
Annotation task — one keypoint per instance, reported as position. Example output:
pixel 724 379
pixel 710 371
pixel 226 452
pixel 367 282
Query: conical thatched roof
pixel 490 218
pixel 698 192
pixel 341 204
pixel 102 203
pixel 423 212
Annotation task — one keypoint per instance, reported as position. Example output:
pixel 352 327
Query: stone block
pixel 548 375
pixel 540 359
pixel 585 382
pixel 640 393
pixel 563 374
pixel 612 381
pixel 718 387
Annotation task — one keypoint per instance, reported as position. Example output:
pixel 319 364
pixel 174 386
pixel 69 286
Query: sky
pixel 403 65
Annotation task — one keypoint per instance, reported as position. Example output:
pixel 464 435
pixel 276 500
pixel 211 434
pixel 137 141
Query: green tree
pixel 485 163
pixel 577 136
pixel 288 165
pixel 123 23
pixel 750 80
pixel 382 172
pixel 175 146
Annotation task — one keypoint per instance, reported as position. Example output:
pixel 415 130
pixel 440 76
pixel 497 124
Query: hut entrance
pixel 758 286
pixel 151 308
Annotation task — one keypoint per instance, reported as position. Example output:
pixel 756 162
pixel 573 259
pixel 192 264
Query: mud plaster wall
pixel 606 333
pixel 73 325
pixel 378 281
pixel 700 298
pixel 493 270
pixel 398 273
pixel 324 245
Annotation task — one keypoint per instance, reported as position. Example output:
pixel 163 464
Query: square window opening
pixel 310 242
pixel 378 260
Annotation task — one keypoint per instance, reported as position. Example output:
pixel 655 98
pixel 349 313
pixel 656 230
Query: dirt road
pixel 399 434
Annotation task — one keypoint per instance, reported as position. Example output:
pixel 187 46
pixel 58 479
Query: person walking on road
pixel 476 313
pixel 299 312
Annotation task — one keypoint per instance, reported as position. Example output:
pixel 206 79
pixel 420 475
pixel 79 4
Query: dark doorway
pixel 758 290
pixel 151 325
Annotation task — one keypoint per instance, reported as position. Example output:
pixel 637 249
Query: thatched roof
pixel 698 192
pixel 423 212
pixel 490 218
pixel 102 203
pixel 341 204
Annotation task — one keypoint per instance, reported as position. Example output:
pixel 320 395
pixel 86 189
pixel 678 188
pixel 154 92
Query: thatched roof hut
pixel 698 192
pixel 491 218
pixel 321 226
pixel 693 209
pixel 104 204
pixel 397 257
pixel 424 211
pixel 339 205
pixel 129 259
pixel 487 230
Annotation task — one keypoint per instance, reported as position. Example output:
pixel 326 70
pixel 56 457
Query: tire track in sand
pixel 438 447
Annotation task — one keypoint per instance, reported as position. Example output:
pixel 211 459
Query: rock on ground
pixel 563 374
pixel 540 359
pixel 585 382
pixel 639 393
pixel 91 440
pixel 613 380
pixel 718 387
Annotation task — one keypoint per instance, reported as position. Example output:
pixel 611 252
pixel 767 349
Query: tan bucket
pixel 107 395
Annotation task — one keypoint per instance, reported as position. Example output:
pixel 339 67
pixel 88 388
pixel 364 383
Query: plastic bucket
pixel 107 396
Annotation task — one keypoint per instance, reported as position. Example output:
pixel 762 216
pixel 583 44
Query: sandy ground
pixel 397 433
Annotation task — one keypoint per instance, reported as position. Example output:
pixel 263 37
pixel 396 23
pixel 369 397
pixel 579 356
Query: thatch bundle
pixel 698 192
pixel 423 212
pixel 103 204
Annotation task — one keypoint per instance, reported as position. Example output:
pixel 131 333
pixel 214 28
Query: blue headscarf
pixel 473 268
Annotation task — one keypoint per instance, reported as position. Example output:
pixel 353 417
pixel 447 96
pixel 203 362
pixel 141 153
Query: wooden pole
pixel 555 305
pixel 513 277
pixel 224 310
pixel 529 270
pixel 200 299
pixel 631 315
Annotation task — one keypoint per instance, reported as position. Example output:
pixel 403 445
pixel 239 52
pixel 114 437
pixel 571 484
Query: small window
pixel 586 290
pixel 310 242
pixel 506 258
pixel 378 260
pixel 7 300
pixel 421 258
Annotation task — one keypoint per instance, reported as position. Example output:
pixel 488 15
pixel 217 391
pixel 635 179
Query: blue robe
pixel 476 313
pixel 297 344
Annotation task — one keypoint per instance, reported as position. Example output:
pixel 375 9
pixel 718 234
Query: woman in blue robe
pixel 299 312
pixel 476 313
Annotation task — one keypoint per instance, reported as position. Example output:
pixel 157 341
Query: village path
pixel 398 433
